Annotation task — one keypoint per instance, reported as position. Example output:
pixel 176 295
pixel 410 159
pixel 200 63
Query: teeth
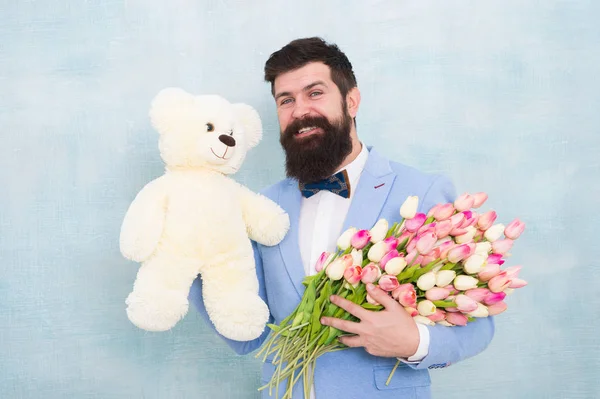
pixel 306 129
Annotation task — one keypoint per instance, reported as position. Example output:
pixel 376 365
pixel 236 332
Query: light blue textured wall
pixel 503 96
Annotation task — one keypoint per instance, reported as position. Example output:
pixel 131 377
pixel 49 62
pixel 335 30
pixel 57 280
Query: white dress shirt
pixel 321 221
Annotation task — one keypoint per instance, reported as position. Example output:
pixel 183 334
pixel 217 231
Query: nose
pixel 227 140
pixel 300 110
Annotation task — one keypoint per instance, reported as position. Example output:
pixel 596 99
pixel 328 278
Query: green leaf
pixel 444 304
pixel 448 266
pixel 369 306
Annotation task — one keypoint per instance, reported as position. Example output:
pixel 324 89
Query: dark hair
pixel 300 52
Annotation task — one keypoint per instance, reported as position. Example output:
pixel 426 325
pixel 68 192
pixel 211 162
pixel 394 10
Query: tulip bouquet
pixel 443 267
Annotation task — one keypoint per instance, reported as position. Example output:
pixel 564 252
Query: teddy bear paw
pixel 274 229
pixel 244 320
pixel 156 312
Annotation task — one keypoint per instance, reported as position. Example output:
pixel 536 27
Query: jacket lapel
pixel 371 194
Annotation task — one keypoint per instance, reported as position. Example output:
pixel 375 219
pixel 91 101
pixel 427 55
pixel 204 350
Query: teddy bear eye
pixel 210 127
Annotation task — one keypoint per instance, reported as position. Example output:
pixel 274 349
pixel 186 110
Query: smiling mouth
pixel 307 131
pixel 218 156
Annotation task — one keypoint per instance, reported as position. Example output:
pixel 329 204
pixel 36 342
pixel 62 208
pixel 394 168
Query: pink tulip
pixel 458 319
pixel 321 261
pixel 411 311
pixel 406 235
pixel 413 224
pixel 387 257
pixel 517 283
pixel 464 202
pixel 514 229
pixel 428 259
pixel 360 239
pixel 479 199
pixel 465 304
pixel 390 243
pixel 513 271
pixel 335 270
pixel 439 315
pixel 502 246
pixel 411 258
pixel 444 212
pixel 459 253
pixel 353 275
pixel 496 308
pixel 437 293
pixel 406 295
pixel 486 220
pixel 370 273
pixel 444 248
pixel 442 229
pixel 450 287
pixel 495 259
pixel 433 210
pixel 499 282
pixel 388 283
pixel 488 272
pixel 477 294
pixel 469 220
pixel 412 245
pixel 493 298
pixel 425 243
pixel 457 220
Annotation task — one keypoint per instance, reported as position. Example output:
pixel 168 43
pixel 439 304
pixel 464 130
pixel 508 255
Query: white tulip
pixel 426 281
pixel 377 252
pixel 466 237
pixel 463 283
pixel 481 311
pixel 335 270
pixel 444 277
pixel 426 308
pixel 474 264
pixel 357 257
pixel 395 265
pixel 379 231
pixel 494 232
pixel 343 242
pixel 408 210
pixel 483 248
pixel 423 320
pixel 445 323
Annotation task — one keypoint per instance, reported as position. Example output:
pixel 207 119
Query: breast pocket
pixel 404 378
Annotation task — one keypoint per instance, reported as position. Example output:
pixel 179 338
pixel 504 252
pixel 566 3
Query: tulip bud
pixel 463 283
pixel 343 242
pixel 377 251
pixel 481 311
pixel 321 261
pixel 445 323
pixel 502 246
pixel 444 212
pixel 467 236
pixel 426 281
pixel 477 294
pixel 459 253
pixel 465 304
pixel 483 248
pixel 439 315
pixel 388 283
pixel 444 277
pixel 406 295
pixel 479 199
pixel 357 257
pixel 514 229
pixel 457 319
pixel 423 320
pixel 415 223
pixel 513 271
pixel 488 272
pixel 426 308
pixel 443 228
pixel 387 257
pixel 497 308
pixel 499 282
pixel 335 270
pixel 495 259
pixel 473 264
pixel 432 211
pixel 494 232
pixel 486 220
pixel 360 239
pixel 469 220
pixel 379 231
pixel 408 210
pixel 437 294
pixel 494 297
pixel 445 248
pixel 353 274
pixel 395 265
pixel 517 283
pixel 370 273
pixel 463 202
pixel 425 243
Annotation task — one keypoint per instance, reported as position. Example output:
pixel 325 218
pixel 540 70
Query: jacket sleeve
pixel 448 345
pixel 240 347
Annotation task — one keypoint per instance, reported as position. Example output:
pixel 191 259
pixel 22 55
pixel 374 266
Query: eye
pixel 286 101
pixel 315 93
pixel 210 127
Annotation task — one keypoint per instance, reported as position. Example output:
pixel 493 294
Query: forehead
pixel 298 79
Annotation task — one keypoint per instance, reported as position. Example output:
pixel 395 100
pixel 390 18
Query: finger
pixel 350 307
pixel 353 341
pixel 344 325
pixel 382 297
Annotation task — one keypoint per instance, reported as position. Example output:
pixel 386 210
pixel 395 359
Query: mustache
pixel 309 121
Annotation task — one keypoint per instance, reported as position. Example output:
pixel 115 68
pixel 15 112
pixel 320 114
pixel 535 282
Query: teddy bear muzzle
pixel 227 140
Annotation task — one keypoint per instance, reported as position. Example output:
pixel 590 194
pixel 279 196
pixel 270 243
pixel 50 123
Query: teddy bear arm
pixel 266 222
pixel 144 221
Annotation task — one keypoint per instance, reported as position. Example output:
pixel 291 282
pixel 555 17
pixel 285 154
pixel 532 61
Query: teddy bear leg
pixel 230 294
pixel 160 293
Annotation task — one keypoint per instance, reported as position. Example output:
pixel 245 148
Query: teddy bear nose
pixel 227 140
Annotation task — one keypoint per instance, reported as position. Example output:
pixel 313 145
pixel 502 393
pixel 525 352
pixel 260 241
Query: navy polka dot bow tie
pixel 338 184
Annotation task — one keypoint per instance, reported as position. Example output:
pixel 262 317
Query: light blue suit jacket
pixel 353 373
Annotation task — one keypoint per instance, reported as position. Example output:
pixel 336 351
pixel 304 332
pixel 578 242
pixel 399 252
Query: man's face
pixel 314 122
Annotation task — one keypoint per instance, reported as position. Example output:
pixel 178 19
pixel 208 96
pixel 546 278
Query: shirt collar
pixel 356 167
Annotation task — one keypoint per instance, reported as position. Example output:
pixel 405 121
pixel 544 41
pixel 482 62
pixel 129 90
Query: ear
pixel 168 106
pixel 250 121
pixel 353 101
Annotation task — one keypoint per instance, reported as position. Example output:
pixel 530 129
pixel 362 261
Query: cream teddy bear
pixel 194 219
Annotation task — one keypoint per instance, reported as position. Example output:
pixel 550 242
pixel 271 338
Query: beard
pixel 315 157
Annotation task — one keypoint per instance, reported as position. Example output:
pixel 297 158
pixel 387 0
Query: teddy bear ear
pixel 251 122
pixel 167 106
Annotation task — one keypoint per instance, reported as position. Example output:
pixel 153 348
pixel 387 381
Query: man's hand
pixel 391 332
